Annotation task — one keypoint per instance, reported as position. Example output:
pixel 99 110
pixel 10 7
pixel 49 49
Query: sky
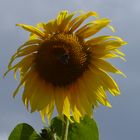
pixel 122 121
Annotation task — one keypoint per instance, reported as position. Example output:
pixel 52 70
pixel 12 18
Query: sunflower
pixel 63 65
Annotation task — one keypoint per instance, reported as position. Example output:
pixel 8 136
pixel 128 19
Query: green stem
pixel 65 128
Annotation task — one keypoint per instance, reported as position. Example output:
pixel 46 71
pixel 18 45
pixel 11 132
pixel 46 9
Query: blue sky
pixel 123 120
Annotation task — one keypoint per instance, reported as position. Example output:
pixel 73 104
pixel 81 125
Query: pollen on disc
pixel 61 60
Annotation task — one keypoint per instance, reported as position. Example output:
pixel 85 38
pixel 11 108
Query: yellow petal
pixel 76 114
pixel 43 114
pixel 112 55
pixel 92 27
pixel 27 51
pixel 25 61
pixel 41 96
pixel 107 82
pixel 108 45
pixel 28 87
pixel 119 52
pixel 21 83
pixel 107 66
pixel 101 97
pixel 66 107
pixel 64 26
pixel 51 27
pixel 94 89
pixel 41 25
pixel 59 96
pixel 91 83
pixel 35 98
pixel 32 29
pixel 101 39
pixel 112 28
pixel 30 42
pixel 74 99
pixel 76 22
pixel 46 95
pixel 81 93
pixel 49 109
pixel 61 16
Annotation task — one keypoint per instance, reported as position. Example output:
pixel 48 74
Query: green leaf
pixel 56 126
pixel 85 130
pixel 24 131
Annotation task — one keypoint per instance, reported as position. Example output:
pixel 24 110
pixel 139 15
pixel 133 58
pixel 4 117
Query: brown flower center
pixel 61 59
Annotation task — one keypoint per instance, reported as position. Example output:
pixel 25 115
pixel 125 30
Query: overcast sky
pixel 122 122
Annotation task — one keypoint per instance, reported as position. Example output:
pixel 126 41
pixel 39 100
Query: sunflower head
pixel 63 65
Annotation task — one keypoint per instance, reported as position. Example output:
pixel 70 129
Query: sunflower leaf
pixel 85 130
pixel 24 131
pixel 56 126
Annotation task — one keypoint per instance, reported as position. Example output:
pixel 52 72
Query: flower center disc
pixel 61 60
